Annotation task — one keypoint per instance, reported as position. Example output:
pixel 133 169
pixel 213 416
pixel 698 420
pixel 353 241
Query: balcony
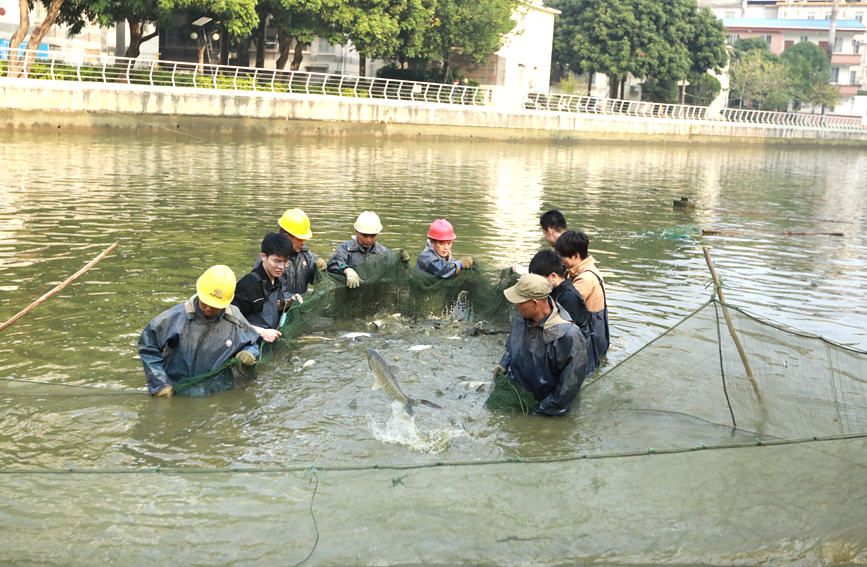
pixel 846 59
pixel 848 90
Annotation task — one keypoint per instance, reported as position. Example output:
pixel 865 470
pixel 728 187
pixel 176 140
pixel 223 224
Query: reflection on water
pixel 178 204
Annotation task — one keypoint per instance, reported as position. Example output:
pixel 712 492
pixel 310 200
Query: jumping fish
pixel 383 378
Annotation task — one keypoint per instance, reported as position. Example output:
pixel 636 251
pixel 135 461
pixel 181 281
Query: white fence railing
pixel 58 65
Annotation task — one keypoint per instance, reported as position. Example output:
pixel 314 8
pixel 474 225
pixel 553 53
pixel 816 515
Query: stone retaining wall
pixel 30 104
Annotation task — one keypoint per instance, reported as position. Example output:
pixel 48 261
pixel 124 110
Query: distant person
pixel 581 267
pixel 548 264
pixel 196 337
pixel 545 351
pixel 259 295
pixel 301 264
pixel 436 259
pixel 361 249
pixel 553 224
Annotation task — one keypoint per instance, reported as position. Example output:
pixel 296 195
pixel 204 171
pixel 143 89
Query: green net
pixel 510 398
pixel 802 385
pixel 390 287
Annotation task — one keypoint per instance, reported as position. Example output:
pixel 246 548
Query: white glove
pixel 296 298
pixel 352 279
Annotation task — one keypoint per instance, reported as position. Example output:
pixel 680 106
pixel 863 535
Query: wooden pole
pixel 731 327
pixel 707 232
pixel 60 286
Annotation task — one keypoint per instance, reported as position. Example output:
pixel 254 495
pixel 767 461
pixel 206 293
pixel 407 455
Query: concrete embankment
pixel 34 104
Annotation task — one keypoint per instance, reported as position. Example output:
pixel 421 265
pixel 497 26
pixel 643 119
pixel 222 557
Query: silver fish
pixel 383 378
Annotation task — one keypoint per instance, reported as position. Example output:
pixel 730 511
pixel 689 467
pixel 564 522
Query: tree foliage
pixel 759 81
pixel 809 68
pixel 664 39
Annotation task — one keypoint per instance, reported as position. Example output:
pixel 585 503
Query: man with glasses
pixel 259 295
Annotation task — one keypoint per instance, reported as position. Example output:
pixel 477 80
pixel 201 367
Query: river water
pixel 178 202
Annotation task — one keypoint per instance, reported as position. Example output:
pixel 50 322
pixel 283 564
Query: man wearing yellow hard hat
pixel 302 263
pixel 196 337
pixel 361 249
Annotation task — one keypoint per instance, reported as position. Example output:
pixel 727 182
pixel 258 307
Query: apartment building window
pixel 733 37
pixel 838 45
pixel 804 39
pixel 851 77
pixel 859 16
pixel 767 38
pixel 811 15
pixel 856 46
pixel 835 74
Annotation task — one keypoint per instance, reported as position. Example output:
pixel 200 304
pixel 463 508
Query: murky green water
pixel 178 203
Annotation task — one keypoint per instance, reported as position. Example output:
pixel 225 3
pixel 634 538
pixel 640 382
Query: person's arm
pixel 567 359
pixel 246 299
pixel 574 305
pixel 435 265
pixel 268 335
pixel 151 345
pixel 339 261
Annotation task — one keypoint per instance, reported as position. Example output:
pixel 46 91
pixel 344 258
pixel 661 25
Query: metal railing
pixel 58 65
pixel 641 109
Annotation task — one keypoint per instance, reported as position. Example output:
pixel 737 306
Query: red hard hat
pixel 441 229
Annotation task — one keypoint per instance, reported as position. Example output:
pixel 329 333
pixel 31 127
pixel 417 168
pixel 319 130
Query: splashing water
pixel 401 429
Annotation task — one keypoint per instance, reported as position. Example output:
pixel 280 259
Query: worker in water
pixel 362 249
pixel 545 351
pixel 436 259
pixel 301 265
pixel 553 224
pixel 548 264
pixel 581 268
pixel 197 337
pixel 259 295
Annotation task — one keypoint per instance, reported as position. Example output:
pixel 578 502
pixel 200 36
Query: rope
pixel 722 371
pixel 313 516
pixel 105 391
pixel 759 442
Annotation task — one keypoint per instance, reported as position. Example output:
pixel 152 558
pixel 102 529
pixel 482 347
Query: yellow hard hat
pixel 216 287
pixel 296 223
pixel 368 223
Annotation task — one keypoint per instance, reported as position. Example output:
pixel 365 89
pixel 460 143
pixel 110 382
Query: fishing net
pixel 509 397
pixel 797 385
pixel 676 455
pixel 390 287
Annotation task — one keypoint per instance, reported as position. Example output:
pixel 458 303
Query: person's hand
pixel 320 263
pixel 467 262
pixel 499 370
pixel 268 335
pixel 166 392
pixel 352 279
pixel 404 256
pixel 246 358
pixel 296 298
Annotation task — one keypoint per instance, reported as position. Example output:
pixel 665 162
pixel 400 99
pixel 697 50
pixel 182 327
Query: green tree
pixel 746 44
pixel 668 40
pixel 808 69
pixel 371 25
pixel 760 81
pixel 471 29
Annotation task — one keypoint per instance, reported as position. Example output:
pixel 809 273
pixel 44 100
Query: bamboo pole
pixel 708 232
pixel 731 327
pixel 60 286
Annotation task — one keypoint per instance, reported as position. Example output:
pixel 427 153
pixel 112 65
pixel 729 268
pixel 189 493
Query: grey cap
pixel 529 286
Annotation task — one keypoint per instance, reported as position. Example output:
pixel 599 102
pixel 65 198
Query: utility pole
pixel 832 28
pixel 744 8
